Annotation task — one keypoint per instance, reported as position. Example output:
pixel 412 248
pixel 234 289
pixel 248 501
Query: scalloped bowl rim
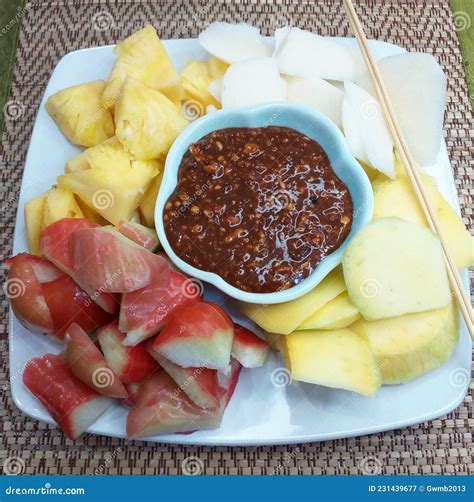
pixel 313 124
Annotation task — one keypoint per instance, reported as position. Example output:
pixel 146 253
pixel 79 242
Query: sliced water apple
pixel 250 350
pixel 394 267
pixel 304 54
pixel 340 359
pixel 283 318
pixel 416 86
pixel 397 199
pixel 201 385
pixel 71 403
pixel 56 245
pixel 374 136
pixel 88 364
pixel 144 236
pixel 252 82
pixel 130 364
pixel 198 335
pixel 161 407
pixel 108 261
pixel 336 314
pixel 233 42
pixel 413 344
pixel 144 312
pixel 317 94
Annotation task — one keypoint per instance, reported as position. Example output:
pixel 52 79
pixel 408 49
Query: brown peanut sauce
pixel 261 207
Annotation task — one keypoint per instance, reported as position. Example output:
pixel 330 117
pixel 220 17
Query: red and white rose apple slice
pixel 71 403
pixel 69 303
pixel 200 384
pixel 198 335
pixel 144 312
pixel 108 261
pixel 130 364
pixel 56 245
pixel 250 350
pixel 23 289
pixel 144 236
pixel 133 390
pixel 163 408
pixel 88 364
pixel 228 380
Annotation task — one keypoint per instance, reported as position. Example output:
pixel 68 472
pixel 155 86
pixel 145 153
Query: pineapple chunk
pixel 217 68
pixel 115 184
pixel 60 203
pixel 142 56
pixel 89 213
pixel 34 209
pixel 78 113
pixel 147 121
pixel 196 80
pixel 147 206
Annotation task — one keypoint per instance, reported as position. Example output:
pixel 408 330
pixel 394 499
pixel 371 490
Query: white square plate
pixel 260 412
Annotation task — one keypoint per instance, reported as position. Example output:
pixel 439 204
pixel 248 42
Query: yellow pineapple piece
pixel 147 206
pixel 147 121
pixel 114 184
pixel 217 67
pixel 60 203
pixel 142 56
pixel 90 213
pixel 79 115
pixel 34 209
pixel 196 80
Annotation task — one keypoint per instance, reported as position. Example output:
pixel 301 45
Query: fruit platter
pixel 217 243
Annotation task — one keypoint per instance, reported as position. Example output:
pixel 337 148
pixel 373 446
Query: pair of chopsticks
pixel 409 163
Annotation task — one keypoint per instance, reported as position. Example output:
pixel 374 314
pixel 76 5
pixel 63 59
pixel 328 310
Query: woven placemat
pixel 49 30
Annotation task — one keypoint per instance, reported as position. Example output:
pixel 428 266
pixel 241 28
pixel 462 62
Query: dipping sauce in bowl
pixel 261 207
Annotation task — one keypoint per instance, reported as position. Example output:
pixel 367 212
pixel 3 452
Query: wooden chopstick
pixel 410 166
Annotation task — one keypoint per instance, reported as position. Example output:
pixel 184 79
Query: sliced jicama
pixel 375 138
pixel 280 36
pixel 304 54
pixel 416 86
pixel 252 82
pixel 352 132
pixel 317 94
pixel 234 42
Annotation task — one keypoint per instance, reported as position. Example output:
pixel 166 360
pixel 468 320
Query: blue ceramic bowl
pixel 302 119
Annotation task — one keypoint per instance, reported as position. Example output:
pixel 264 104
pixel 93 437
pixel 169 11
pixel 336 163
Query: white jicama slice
pixel 280 36
pixel 374 134
pixel 336 314
pixel 316 94
pixel 215 89
pixel 252 82
pixel 234 42
pixel 413 344
pixel 416 86
pixel 352 132
pixel 394 267
pixel 304 54
pixel 340 359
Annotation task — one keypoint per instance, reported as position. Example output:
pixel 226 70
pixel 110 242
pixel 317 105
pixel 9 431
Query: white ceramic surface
pixel 260 411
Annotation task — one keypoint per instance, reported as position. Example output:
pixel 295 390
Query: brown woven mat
pixel 50 29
